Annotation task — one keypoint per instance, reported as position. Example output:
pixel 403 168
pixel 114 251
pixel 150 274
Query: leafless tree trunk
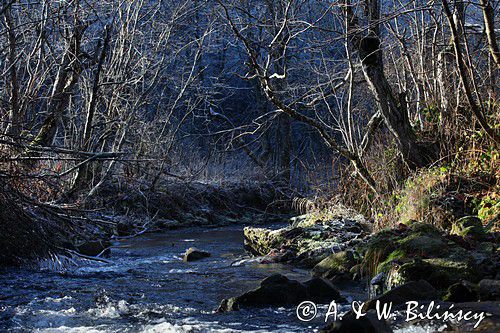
pixel 16 116
pixel 461 65
pixel 66 80
pixel 489 27
pixel 392 109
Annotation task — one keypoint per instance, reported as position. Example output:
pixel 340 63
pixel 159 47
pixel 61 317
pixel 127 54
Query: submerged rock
pixel 193 254
pixel 278 290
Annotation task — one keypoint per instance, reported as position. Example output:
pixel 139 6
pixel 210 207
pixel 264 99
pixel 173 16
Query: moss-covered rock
pixel 463 291
pixel 393 257
pixel 439 272
pixel 336 265
pixel 307 245
pixel 418 252
pixel 468 226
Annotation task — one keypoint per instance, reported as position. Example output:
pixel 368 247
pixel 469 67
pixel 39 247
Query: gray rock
pixel 322 291
pixel 489 290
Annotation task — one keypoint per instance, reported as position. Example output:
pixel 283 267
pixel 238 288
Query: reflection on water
pixel 148 288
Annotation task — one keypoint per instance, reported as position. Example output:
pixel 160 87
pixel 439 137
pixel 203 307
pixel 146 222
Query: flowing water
pixel 147 287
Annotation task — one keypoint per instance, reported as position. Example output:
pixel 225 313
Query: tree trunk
pixel 83 175
pixel 67 78
pixel 489 26
pixel 392 110
pixel 16 117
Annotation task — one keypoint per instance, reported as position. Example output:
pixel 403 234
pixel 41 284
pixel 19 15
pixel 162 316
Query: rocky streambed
pixel 252 279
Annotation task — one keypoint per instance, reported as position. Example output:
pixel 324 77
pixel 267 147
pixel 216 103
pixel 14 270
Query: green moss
pixel 386 265
pixel 423 245
pixel 440 272
pixel 336 263
pixel 468 226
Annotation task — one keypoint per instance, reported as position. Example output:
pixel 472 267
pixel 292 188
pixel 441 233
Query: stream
pixel 148 288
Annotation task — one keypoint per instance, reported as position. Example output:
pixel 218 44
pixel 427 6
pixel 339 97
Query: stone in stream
pixel 193 254
pixel 278 290
pixel 463 291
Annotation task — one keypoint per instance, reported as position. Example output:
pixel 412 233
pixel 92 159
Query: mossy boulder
pixel 305 246
pixel 468 226
pixel 335 266
pixel 418 252
pixel 393 257
pixel 423 244
pixel 439 272
pixel 261 241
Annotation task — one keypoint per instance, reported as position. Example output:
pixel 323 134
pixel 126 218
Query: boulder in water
pixel 463 291
pixel 278 290
pixel 193 254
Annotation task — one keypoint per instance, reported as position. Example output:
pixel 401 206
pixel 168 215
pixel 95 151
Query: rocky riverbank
pixel 412 262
